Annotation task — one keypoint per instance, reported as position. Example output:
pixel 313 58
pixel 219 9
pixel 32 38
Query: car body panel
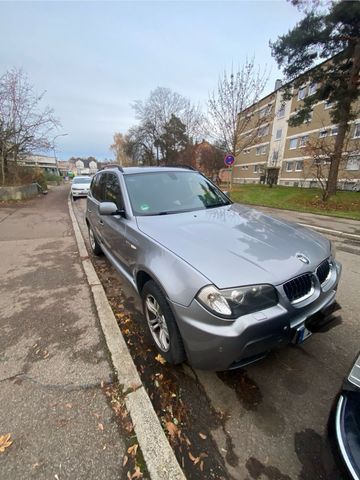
pixel 236 245
pixel 227 246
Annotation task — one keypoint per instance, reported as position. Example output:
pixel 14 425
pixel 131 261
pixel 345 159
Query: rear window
pixel 82 180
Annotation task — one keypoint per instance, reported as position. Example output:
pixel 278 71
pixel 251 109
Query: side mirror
pixel 109 208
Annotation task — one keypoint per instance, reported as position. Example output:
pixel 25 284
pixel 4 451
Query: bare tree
pixel 319 153
pixel 155 113
pixel 232 106
pixel 24 126
pixel 120 149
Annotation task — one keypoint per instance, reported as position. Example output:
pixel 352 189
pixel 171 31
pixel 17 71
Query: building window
pixel 262 112
pixel 278 134
pixel 289 166
pixel 334 131
pixel 261 150
pixel 256 168
pixel 357 130
pixel 275 155
pixel 301 93
pixel 293 143
pixel 299 166
pixel 353 162
pixel 281 111
pixel 309 118
pixel 312 89
pixel 263 131
pixel 328 105
pixel 303 141
pixel 323 133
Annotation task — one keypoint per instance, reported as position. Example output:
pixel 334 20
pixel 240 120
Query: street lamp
pixel 56 136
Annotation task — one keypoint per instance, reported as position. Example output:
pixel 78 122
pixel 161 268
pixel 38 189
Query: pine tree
pixel 334 35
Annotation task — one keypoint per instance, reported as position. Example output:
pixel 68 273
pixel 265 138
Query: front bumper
pixel 215 344
pixel 79 193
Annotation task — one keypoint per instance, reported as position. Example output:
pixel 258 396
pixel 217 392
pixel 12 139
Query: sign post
pixel 229 160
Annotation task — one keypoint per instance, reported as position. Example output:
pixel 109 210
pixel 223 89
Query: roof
pixel 133 170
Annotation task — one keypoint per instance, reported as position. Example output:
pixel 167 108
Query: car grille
pixel 298 287
pixel 323 271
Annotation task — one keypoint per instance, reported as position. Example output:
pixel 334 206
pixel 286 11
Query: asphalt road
pixel 275 411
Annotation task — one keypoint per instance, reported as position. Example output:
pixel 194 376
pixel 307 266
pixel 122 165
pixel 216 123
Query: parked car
pixel 344 425
pixel 221 284
pixel 80 186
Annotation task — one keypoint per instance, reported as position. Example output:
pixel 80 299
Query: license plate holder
pixel 302 334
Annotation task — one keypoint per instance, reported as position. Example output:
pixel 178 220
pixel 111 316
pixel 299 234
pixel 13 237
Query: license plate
pixel 302 333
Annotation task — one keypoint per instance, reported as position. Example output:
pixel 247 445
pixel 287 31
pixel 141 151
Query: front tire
pixel 94 244
pixel 162 324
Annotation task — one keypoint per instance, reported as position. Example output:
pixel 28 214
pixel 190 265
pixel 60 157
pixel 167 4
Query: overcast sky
pixel 95 58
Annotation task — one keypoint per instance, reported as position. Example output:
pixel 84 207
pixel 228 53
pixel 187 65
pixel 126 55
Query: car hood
pixel 237 245
pixel 80 186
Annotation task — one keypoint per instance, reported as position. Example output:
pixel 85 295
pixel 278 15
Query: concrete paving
pixel 53 357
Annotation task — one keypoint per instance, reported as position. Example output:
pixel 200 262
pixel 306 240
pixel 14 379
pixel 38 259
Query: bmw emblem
pixel 303 258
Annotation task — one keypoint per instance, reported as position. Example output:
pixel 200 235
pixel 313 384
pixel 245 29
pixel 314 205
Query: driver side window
pixel 113 191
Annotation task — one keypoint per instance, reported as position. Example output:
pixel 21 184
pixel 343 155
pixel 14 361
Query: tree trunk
pixel 343 125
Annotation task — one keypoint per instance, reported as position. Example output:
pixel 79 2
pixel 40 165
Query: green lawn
pixel 343 204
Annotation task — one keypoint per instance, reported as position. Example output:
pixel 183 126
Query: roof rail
pixel 188 167
pixel 112 165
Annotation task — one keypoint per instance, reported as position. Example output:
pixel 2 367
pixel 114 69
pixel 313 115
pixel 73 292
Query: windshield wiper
pixel 216 205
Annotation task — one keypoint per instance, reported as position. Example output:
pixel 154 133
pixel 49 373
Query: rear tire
pixel 162 324
pixel 74 198
pixel 94 244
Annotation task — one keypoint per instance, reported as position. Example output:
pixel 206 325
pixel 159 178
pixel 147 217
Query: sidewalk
pixel 52 354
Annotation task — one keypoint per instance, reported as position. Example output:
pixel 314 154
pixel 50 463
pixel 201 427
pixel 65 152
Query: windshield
pixel 162 193
pixel 82 180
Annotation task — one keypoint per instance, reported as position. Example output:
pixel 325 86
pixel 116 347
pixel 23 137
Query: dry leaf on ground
pixel 133 449
pixel 202 435
pixel 137 473
pixel 5 442
pixel 126 458
pixel 172 429
pixel 160 359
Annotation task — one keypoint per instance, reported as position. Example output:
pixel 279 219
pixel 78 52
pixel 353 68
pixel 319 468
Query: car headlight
pixel 235 302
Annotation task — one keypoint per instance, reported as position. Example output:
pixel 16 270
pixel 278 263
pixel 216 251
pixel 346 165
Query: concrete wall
pixel 18 193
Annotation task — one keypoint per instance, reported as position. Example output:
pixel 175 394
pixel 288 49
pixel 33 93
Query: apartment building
pixel 294 156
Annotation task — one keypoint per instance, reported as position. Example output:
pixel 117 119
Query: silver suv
pixel 221 284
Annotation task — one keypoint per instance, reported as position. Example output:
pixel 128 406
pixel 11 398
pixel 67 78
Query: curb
pixel 336 233
pixel 158 454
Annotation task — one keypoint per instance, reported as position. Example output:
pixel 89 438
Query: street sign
pixel 229 159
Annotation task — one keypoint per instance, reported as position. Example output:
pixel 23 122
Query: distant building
pixel 285 155
pixel 83 166
pixel 45 162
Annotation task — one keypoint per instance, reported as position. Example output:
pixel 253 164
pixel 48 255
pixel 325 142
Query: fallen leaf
pixel 137 473
pixel 172 429
pixel 5 442
pixel 126 458
pixel 101 427
pixel 191 456
pixel 202 435
pixel 133 449
pixel 201 465
pixel 160 359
